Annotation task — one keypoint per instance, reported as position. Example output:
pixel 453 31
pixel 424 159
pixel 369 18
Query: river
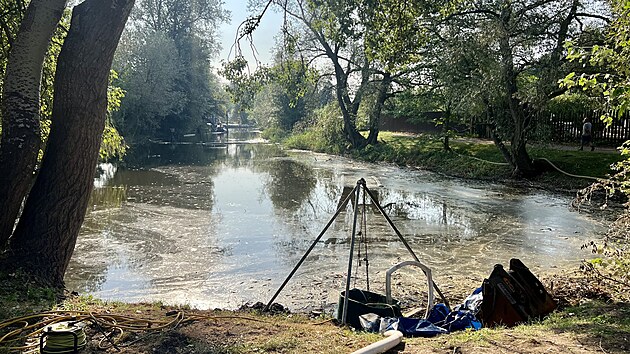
pixel 221 227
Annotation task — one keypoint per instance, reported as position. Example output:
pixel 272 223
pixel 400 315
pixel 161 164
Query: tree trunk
pixel 446 128
pixel 46 234
pixel 521 162
pixel 347 109
pixel 375 114
pixel 20 107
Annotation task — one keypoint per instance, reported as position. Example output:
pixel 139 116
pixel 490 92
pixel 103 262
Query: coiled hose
pixel 29 333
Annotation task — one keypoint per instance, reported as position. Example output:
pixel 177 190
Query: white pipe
pixel 427 272
pixel 393 338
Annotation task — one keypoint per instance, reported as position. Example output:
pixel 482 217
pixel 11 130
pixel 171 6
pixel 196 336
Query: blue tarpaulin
pixel 440 320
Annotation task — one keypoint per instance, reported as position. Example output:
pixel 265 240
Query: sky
pixel 263 36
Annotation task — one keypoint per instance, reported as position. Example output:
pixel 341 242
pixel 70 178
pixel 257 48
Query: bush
pixel 274 134
pixel 612 267
pixel 323 133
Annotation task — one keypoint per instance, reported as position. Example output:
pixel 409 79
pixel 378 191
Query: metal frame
pixel 356 192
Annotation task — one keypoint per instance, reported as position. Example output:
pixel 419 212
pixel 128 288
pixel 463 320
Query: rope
pixel 365 241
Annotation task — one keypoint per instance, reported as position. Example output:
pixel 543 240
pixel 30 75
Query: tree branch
pixel 599 17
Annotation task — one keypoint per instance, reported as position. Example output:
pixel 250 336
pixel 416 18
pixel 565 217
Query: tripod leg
pixel 400 236
pixel 354 231
pixel 297 266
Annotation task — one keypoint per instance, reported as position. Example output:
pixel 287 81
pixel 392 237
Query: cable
pixel 63 337
pixel 476 158
pixel 566 173
pixel 541 159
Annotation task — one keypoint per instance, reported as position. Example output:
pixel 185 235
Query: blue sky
pixel 263 36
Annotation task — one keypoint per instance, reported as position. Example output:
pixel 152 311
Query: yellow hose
pixel 114 323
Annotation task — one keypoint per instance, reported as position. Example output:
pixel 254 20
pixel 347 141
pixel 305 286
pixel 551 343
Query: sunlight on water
pixel 222 227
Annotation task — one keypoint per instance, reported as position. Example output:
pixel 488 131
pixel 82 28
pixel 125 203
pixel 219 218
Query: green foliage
pixel 243 84
pixel 394 30
pixel 324 133
pixel 609 61
pixel 279 96
pixel 148 66
pixel 410 104
pixel 113 145
pixel 572 104
pixel 612 265
pixel 181 19
pixel 163 64
pixel 294 93
pixel 274 134
pixel 609 84
pixel 336 20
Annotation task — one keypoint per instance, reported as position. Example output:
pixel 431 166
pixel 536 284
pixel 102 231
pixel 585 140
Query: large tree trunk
pixel 46 234
pixel 348 107
pixel 20 106
pixel 521 162
pixel 375 114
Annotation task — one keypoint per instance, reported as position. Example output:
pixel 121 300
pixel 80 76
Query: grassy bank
pixel 593 326
pixel 475 159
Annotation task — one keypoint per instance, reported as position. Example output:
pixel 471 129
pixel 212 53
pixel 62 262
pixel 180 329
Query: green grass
pixel 474 159
pixel 482 160
pixel 19 296
pixel 426 152
pixel 595 318
pixel 594 321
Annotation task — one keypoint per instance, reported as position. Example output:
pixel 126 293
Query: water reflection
pixel 220 227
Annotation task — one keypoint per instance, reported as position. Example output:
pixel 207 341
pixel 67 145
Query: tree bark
pixel 375 114
pixel 521 162
pixel 347 106
pixel 21 137
pixel 46 234
pixel 446 128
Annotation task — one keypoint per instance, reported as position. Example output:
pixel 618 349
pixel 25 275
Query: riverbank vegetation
pixel 474 158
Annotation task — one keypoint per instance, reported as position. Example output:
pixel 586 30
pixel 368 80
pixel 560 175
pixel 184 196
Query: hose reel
pixel 63 337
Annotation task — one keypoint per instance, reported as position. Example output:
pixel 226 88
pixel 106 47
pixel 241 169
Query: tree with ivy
pixel 43 240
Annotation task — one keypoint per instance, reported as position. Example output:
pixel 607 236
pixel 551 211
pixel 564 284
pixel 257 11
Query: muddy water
pixel 222 227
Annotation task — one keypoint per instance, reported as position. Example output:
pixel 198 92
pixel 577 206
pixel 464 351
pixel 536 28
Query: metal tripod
pixel 361 185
